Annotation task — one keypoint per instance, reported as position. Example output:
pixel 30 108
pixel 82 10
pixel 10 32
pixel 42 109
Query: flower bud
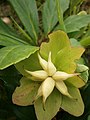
pixel 40 74
pixel 58 76
pixel 51 69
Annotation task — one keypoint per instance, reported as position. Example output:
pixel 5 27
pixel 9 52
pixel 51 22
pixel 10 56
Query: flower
pixel 52 72
pixel 50 78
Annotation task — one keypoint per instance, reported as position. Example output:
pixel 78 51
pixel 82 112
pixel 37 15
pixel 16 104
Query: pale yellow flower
pixel 50 78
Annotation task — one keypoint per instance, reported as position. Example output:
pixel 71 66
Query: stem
pixel 60 15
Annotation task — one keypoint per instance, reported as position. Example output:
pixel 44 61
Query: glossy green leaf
pixel 76 81
pixel 50 17
pixel 25 94
pixel 27 12
pixel 74 106
pixel 14 54
pixel 52 106
pixel 85 41
pixel 76 22
pixel 59 37
pixel 65 59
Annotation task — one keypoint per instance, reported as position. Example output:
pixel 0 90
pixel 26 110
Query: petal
pixel 51 69
pixel 63 75
pixel 63 88
pixel 43 62
pixel 46 88
pixel 39 75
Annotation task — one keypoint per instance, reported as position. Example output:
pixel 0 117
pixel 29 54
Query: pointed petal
pixel 39 93
pixel 63 88
pixel 58 76
pixel 43 62
pixel 51 69
pixel 47 88
pixel 39 75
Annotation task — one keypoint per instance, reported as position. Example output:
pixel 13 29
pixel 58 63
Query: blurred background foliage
pixel 9 78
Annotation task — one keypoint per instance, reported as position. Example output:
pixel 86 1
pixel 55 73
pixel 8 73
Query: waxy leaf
pixel 52 106
pixel 14 54
pixel 59 37
pixel 74 106
pixel 27 12
pixel 25 94
pixel 76 22
pixel 65 59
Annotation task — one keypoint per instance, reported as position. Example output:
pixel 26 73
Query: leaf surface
pixel 25 94
pixel 76 22
pixel 50 17
pixel 52 106
pixel 27 12
pixel 65 59
pixel 14 54
pixel 57 41
pixel 74 106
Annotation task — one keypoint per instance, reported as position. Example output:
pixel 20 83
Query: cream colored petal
pixel 40 74
pixel 51 69
pixel 47 88
pixel 43 62
pixel 58 76
pixel 39 93
pixel 62 88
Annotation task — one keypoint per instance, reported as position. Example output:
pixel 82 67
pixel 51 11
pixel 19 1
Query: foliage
pixel 65 32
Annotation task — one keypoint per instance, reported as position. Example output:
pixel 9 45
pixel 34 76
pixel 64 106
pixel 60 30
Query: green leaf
pixel 76 22
pixel 75 105
pixel 9 40
pixel 84 71
pixel 27 12
pixel 25 94
pixel 52 106
pixel 74 42
pixel 49 15
pixel 14 54
pixel 76 81
pixel 85 41
pixel 31 64
pixel 65 59
pixel 8 36
pixel 57 41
